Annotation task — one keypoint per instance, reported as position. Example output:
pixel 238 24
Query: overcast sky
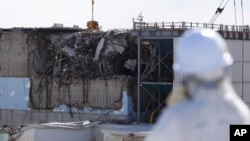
pixel 115 13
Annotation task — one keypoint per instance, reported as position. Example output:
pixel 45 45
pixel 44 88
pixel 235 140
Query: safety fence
pixel 158 26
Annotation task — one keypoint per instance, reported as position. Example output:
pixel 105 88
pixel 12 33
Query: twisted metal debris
pixel 70 62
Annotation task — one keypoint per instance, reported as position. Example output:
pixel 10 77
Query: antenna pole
pixel 235 15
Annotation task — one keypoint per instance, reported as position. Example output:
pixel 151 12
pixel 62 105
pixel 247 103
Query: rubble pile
pixel 11 130
pixel 110 53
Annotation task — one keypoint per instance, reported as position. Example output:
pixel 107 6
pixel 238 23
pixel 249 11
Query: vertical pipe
pixel 138 76
pixel 243 31
pixel 235 16
pixel 133 24
pixel 242 14
pixel 159 69
pixel 242 66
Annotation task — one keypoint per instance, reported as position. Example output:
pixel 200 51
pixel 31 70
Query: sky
pixel 117 14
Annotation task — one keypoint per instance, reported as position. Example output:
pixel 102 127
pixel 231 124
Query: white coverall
pixel 205 117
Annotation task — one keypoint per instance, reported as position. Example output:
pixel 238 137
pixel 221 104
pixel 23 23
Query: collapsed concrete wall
pixel 81 70
pixel 15 48
pixel 78 69
pixel 80 93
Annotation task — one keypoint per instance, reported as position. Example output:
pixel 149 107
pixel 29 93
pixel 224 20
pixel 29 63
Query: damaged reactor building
pixel 71 74
pixel 87 75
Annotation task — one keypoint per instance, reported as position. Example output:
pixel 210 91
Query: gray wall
pixel 241 69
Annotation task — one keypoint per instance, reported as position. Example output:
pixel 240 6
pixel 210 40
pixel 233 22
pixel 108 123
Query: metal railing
pixel 187 25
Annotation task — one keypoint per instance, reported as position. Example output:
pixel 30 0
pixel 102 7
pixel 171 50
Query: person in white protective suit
pixel 211 105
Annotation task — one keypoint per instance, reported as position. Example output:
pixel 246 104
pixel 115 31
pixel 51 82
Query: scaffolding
pixel 158 33
pixel 160 64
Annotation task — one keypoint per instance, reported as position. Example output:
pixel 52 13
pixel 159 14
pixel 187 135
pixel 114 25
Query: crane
pixel 93 25
pixel 218 11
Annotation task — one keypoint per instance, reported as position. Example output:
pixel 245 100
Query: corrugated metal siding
pixel 14 51
pixel 71 94
pixel 96 93
pixel 106 93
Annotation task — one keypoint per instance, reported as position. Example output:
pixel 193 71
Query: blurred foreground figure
pixel 211 104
